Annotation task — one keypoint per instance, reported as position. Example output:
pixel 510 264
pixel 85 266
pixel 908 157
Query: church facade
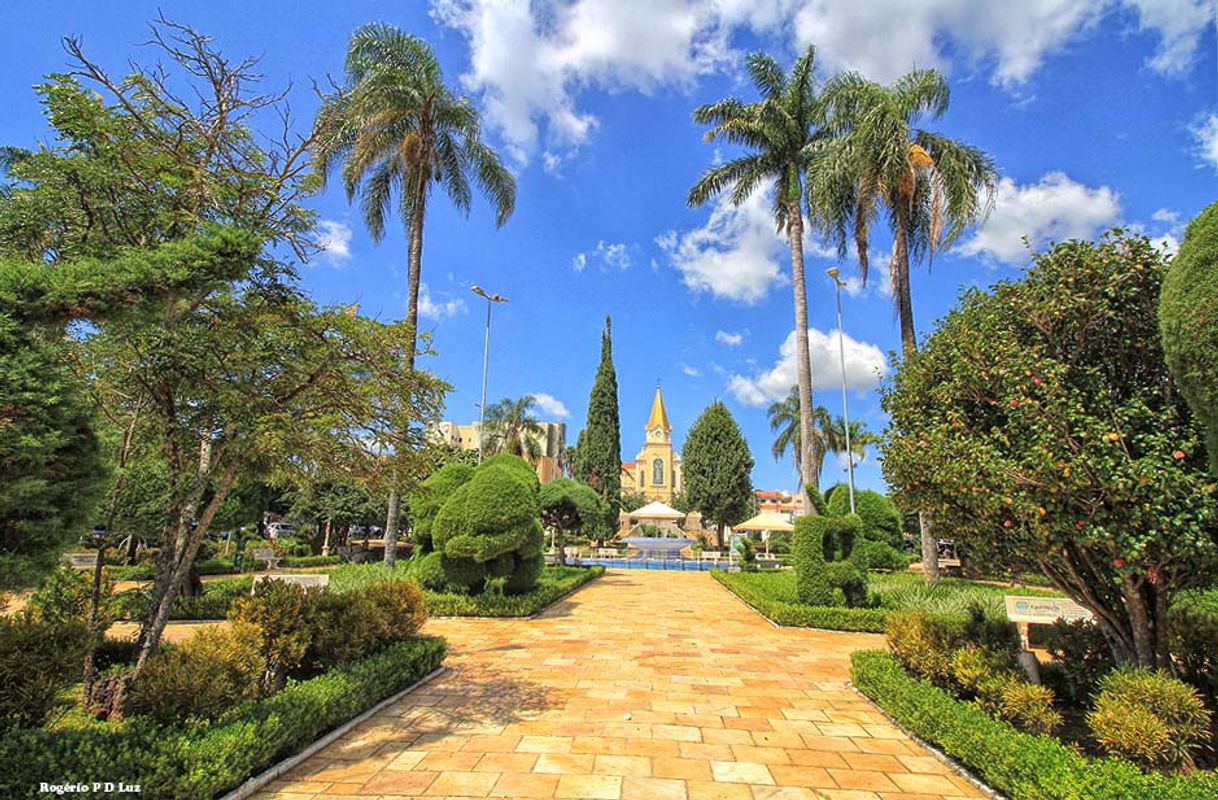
pixel 655 472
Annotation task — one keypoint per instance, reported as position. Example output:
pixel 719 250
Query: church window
pixel 657 472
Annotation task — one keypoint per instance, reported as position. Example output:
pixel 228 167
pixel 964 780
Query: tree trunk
pixel 808 445
pixel 391 529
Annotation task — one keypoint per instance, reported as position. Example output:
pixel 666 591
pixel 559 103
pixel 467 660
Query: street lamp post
pixel 838 283
pixel 486 355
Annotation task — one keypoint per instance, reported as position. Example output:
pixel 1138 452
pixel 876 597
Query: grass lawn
pixel 773 594
pixel 554 583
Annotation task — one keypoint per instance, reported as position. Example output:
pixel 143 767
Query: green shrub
pixel 841 535
pixel 490 527
pixel 850 581
pixel 811 583
pixel 881 522
pixel 401 609
pixel 871 554
pixel 38 660
pixel 925 644
pixel 426 503
pixel 1149 718
pixel 283 614
pixel 1025 705
pixel 973 667
pixel 307 561
pixel 429 572
pixel 1187 323
pixel 203 677
pixel 748 555
pixel 1192 630
pixel 66 595
pixel 1019 765
pixel 1081 656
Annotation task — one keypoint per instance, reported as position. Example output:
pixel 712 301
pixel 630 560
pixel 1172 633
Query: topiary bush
pixel 490 527
pixel 1149 718
pixel 808 548
pixel 426 503
pixel 1192 630
pixel 881 522
pixel 1188 322
pixel 848 579
pixel 870 554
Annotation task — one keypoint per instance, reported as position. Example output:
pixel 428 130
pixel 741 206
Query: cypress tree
pixel 717 465
pixel 598 458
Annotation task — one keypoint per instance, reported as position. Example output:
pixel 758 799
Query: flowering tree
pixel 1040 422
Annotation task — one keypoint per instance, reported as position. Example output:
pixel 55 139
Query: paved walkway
pixel 649 685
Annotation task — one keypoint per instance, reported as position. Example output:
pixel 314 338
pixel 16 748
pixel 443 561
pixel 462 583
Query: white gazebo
pixel 657 513
pixel 765 523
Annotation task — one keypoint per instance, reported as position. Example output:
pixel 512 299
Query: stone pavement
pixel 649 685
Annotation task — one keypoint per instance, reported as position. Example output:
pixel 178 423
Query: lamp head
pixel 478 290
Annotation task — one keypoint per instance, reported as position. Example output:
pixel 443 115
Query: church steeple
pixel 659 417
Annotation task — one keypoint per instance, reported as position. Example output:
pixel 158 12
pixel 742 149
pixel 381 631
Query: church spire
pixel 659 417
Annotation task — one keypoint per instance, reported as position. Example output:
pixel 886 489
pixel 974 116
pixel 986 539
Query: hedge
pixel 1020 765
pixel 549 590
pixel 837 618
pixel 205 760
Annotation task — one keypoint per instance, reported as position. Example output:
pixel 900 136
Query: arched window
pixel 657 472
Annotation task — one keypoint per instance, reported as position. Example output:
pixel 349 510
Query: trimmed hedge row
pixel 549 590
pixel 837 618
pixel 205 760
pixel 1020 765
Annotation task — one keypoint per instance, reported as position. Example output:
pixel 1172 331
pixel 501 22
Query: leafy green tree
pixel 396 126
pixel 1188 325
pixel 932 187
pixel 633 502
pixel 782 132
pixel 1040 422
pixel 598 459
pixel 785 425
pixel 512 428
pixel 717 467
pixel 568 506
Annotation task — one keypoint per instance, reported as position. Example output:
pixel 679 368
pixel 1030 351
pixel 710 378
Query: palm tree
pixel 781 132
pixel 860 438
pixel 784 422
pixel 512 428
pixel 397 129
pixel 931 187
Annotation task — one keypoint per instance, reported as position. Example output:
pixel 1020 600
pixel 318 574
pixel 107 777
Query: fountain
pixel 658 546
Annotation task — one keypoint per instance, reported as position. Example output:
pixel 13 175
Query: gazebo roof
pixel 656 510
pixel 766 521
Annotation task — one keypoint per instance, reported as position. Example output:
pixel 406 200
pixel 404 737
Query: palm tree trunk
pixel 414 266
pixel 808 445
pixel 909 345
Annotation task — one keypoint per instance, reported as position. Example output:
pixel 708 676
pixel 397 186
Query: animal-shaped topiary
pixel 881 520
pixel 426 503
pixel 490 527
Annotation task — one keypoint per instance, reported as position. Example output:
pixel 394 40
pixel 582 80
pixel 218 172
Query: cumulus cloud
pixel 334 240
pixel 438 309
pixel 606 254
pixel 551 405
pixel 1054 208
pixel 865 367
pixel 1205 137
pixel 729 339
pixel 529 61
pixel 692 372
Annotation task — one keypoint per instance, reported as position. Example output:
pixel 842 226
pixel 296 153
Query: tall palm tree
pixel 396 128
pixel 931 187
pixel 781 133
pixel 860 438
pixel 785 424
pixel 512 428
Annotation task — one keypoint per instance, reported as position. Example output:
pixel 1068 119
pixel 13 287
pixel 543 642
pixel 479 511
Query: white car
pixel 277 529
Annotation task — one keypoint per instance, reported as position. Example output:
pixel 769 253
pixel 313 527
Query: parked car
pixel 277 530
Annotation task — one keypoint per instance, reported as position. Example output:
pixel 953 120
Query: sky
pixel 1097 113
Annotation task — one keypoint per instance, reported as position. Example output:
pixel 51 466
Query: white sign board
pixel 319 581
pixel 80 560
pixel 1043 610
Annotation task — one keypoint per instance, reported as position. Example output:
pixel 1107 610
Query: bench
pixel 607 552
pixel 268 555
pixel 768 563
pixel 711 555
pixel 319 581
pixel 80 560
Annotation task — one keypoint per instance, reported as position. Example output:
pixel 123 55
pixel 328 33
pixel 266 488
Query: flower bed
pixel 204 760
pixel 1017 764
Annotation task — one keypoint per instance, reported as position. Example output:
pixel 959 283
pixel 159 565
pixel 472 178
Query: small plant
pixel 66 595
pixel 282 613
pixel 748 555
pixel 1081 656
pixel 1149 718
pixel 38 660
pixel 973 667
pixel 924 644
pixel 1027 706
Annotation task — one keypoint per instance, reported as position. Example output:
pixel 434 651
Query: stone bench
pixel 268 555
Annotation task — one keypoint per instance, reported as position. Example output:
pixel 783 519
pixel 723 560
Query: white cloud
pixel 529 61
pixel 736 255
pixel 1170 230
pixel 692 372
pixel 729 339
pixel 551 405
pixel 579 262
pixel 865 366
pixel 1205 136
pixel 430 308
pixel 334 240
pixel 607 254
pixel 1054 208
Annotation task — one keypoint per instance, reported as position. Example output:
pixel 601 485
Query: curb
pixel 271 773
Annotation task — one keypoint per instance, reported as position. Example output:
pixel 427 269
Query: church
pixel 655 472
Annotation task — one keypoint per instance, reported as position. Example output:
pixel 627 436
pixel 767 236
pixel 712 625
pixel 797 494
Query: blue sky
pixel 1097 112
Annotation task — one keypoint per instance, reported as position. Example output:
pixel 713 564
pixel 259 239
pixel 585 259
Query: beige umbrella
pixel 657 511
pixel 766 522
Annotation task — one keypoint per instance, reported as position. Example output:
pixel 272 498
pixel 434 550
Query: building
pixel 655 472
pixel 551 441
pixel 786 504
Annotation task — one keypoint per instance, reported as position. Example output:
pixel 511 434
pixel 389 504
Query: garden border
pixel 272 772
pixel 536 613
